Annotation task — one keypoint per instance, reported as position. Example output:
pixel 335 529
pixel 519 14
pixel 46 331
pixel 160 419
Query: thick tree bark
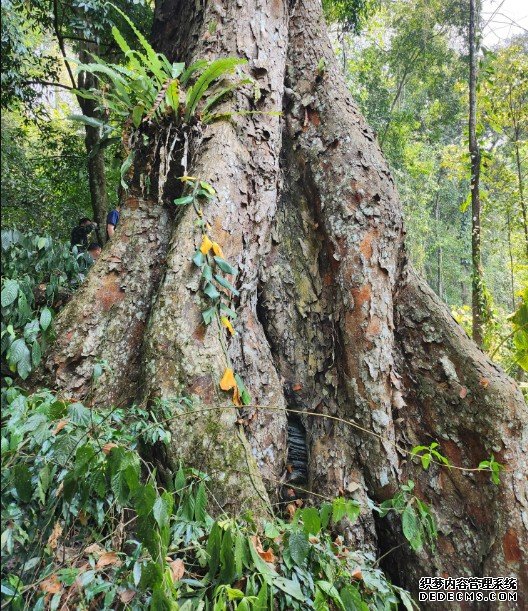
pixel 333 325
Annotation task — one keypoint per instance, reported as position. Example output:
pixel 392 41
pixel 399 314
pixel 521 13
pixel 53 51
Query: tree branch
pixel 49 84
pixel 60 41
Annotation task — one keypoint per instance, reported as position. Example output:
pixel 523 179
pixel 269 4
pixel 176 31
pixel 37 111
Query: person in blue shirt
pixel 112 220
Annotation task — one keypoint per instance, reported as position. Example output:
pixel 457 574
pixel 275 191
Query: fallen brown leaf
pixel 484 382
pixel 54 537
pixel 126 596
pixel 107 559
pixel 266 555
pixel 61 424
pixel 107 448
pixel 357 574
pixel 177 568
pixel 51 585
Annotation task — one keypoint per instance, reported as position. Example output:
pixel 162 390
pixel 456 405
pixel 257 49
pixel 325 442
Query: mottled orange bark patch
pixel 136 333
pixel 109 292
pixel 199 333
pixel 510 545
pixel 362 295
pixel 445 546
pixel 366 245
pixel 132 203
pixel 479 512
pixel 328 279
pixel 314 117
pixel 452 451
pixel 203 386
pixel 373 327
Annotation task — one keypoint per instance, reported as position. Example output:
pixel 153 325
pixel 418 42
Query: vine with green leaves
pixel 217 290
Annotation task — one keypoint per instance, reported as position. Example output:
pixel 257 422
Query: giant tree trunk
pixel 333 326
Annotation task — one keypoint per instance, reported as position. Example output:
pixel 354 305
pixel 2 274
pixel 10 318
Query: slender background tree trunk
pixel 95 155
pixel 477 297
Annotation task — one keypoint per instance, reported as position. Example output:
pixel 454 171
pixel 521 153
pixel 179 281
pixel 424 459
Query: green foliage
pixel 494 467
pixel 44 174
pixel 418 523
pixel 351 14
pixel 30 52
pixel 84 520
pixel 428 453
pixel 519 321
pixel 147 85
pixel 408 73
pixel 38 273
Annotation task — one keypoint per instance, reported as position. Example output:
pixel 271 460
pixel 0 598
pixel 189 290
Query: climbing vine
pixel 216 283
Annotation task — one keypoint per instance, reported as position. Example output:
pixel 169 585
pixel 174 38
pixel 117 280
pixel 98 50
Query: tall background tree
pixel 64 34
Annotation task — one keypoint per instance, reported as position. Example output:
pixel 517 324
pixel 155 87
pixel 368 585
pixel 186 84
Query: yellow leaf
pixel 206 245
pixel 228 380
pixel 236 397
pixel 227 324
pixel 217 250
pixel 187 178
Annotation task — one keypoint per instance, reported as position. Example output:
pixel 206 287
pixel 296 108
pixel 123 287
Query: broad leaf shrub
pixel 31 265
pixel 86 525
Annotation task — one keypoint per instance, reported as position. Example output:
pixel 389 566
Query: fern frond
pixel 215 70
pixel 154 63
pixel 159 99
